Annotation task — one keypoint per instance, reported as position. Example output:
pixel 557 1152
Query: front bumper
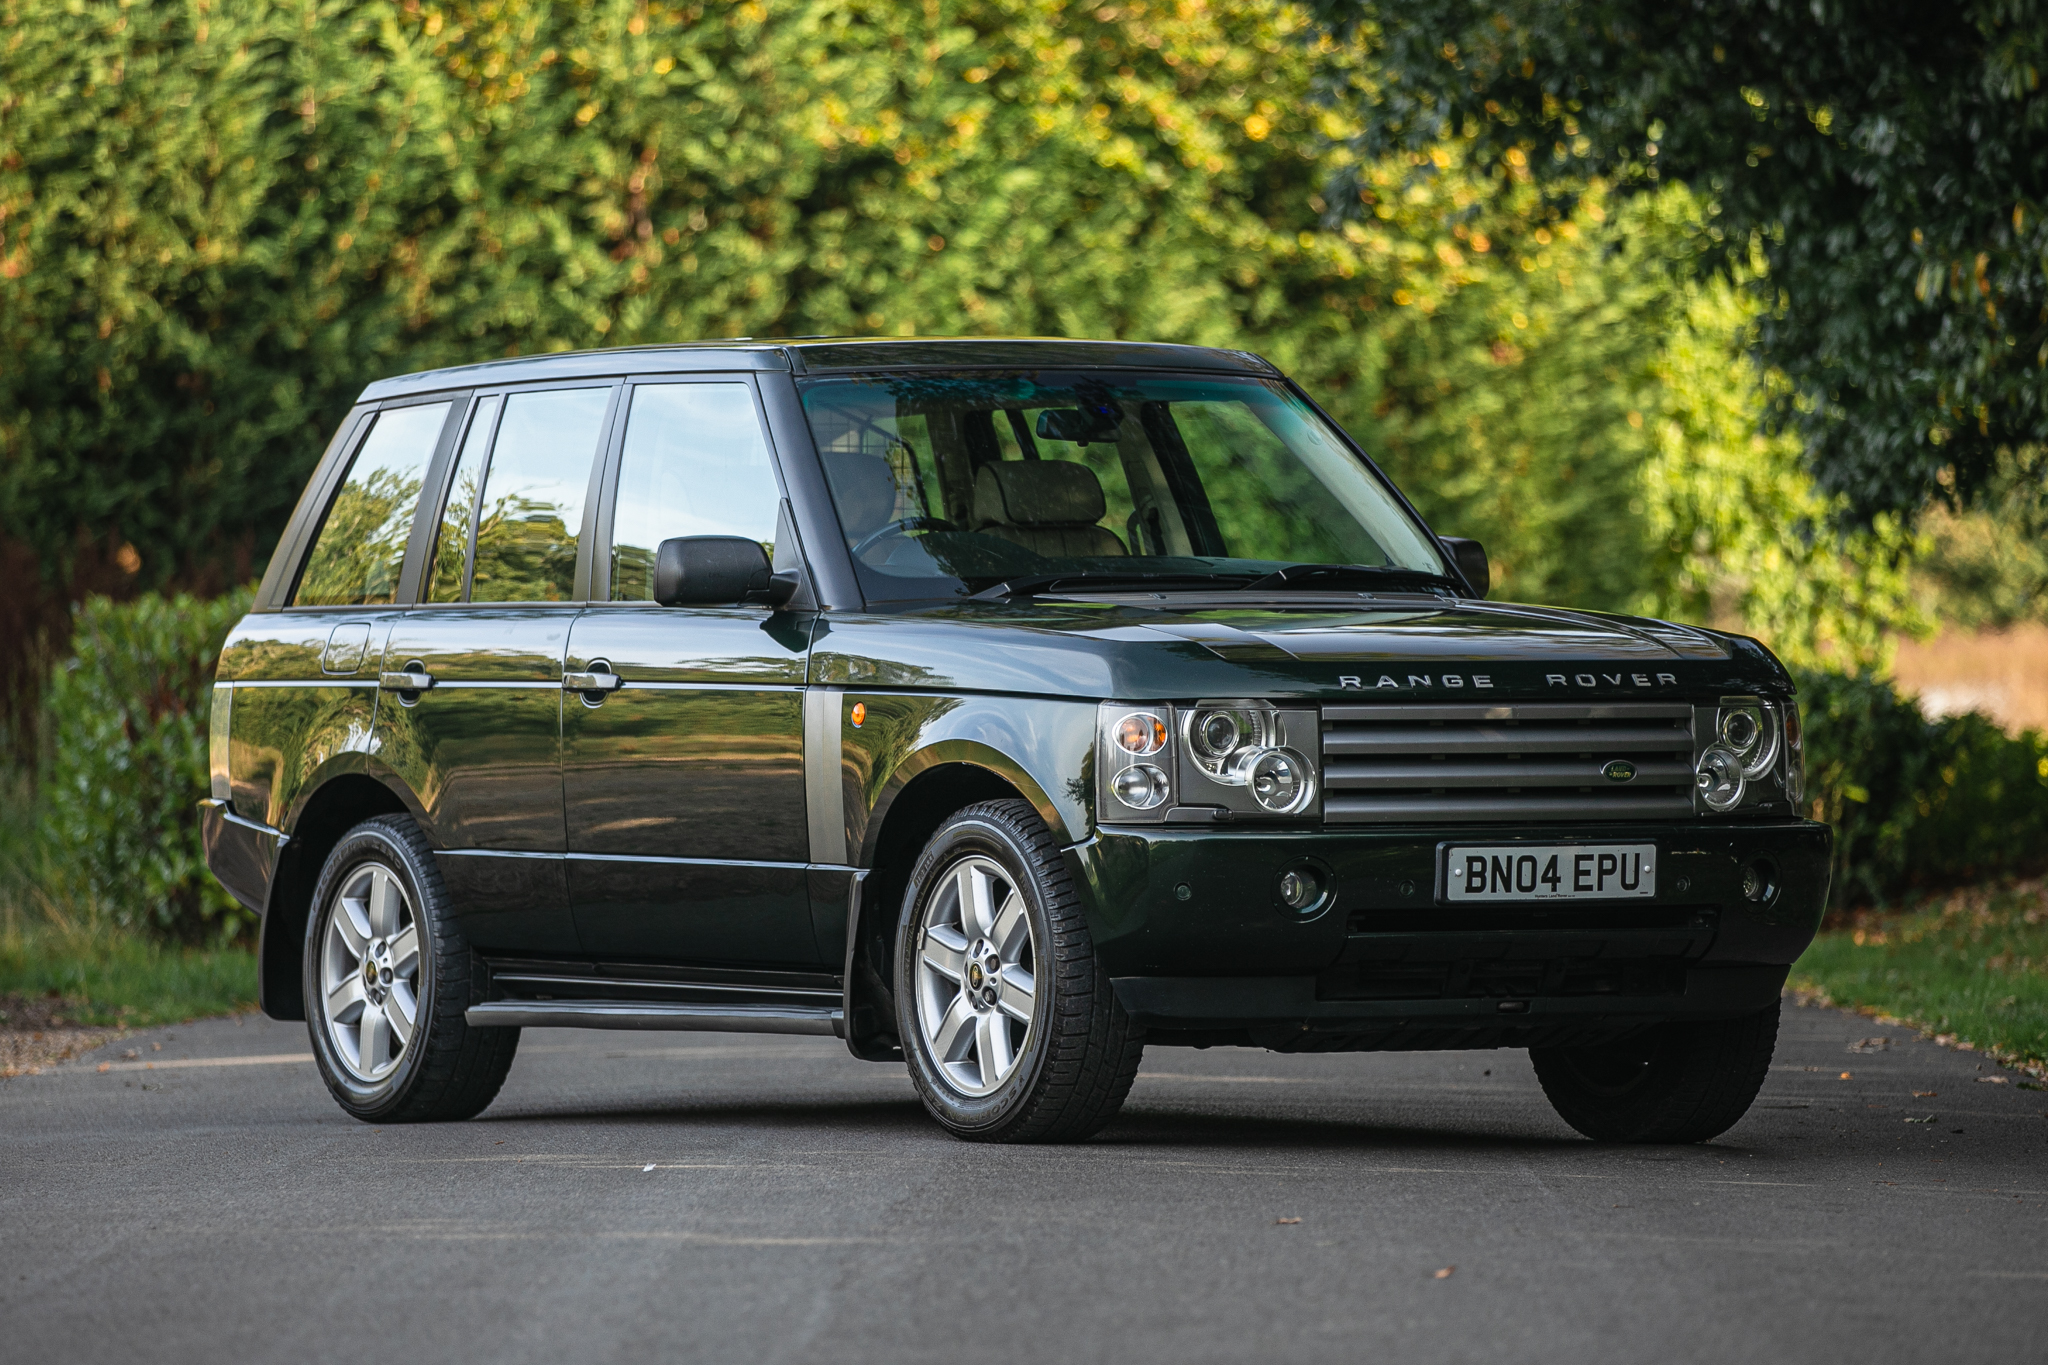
pixel 1190 925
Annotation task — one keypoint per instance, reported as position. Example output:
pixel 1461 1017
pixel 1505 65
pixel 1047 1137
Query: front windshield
pixel 951 484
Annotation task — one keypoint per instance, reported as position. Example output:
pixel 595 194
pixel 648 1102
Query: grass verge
pixel 101 976
pixel 1969 967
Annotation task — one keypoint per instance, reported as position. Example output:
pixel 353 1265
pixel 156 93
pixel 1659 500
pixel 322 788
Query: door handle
pixel 590 682
pixel 413 679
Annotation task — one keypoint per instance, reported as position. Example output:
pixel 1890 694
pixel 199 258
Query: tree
pixel 1887 161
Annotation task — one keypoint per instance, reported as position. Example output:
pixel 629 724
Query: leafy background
pixel 219 219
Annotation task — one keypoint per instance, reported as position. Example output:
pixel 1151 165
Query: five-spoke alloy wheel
pixel 1011 1028
pixel 369 973
pixel 975 989
pixel 388 977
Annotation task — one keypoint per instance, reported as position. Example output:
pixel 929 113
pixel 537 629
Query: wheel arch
pixel 328 813
pixel 903 825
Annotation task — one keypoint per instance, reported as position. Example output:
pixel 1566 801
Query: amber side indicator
pixel 860 713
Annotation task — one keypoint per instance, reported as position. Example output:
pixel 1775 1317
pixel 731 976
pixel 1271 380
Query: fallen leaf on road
pixel 1871 1045
pixel 106 1066
pixel 1445 1273
pixel 1993 1080
pixel 1923 1094
pixel 1845 1075
pixel 1286 1220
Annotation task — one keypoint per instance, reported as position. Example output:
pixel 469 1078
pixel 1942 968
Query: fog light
pixel 1141 786
pixel 1757 881
pixel 1301 888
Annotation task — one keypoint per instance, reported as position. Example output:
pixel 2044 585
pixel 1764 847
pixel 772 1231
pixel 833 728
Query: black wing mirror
pixel 1471 559
pixel 717 571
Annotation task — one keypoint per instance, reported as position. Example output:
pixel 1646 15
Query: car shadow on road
pixel 1180 1131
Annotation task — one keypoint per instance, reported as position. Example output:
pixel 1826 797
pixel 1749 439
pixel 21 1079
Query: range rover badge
pixel 1618 770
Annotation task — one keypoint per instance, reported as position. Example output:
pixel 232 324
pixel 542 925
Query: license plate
pixel 1549 872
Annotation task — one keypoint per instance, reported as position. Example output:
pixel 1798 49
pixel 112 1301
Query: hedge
pixel 1918 802
pixel 127 715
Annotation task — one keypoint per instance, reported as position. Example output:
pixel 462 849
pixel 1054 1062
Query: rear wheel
pixel 388 977
pixel 1671 1083
pixel 1012 1031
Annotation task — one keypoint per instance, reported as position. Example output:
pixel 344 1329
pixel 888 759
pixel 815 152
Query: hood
pixel 1409 646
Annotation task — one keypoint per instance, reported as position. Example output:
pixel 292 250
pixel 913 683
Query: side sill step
pixel 631 1014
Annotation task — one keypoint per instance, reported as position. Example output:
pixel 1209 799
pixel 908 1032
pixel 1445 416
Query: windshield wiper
pixel 1320 575
pixel 1032 584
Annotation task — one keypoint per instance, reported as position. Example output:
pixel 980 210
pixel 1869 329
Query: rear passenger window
pixel 361 545
pixel 694 464
pixel 533 495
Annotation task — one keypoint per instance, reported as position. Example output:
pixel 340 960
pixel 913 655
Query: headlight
pixel 1209 762
pixel 1749 730
pixel 1223 739
pixel 1719 775
pixel 1280 781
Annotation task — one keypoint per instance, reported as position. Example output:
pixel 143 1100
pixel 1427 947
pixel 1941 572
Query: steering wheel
pixel 899 527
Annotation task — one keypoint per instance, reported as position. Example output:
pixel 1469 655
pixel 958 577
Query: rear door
pixel 684 786
pixel 479 738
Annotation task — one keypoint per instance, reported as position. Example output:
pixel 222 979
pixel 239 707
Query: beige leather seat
pixel 1050 506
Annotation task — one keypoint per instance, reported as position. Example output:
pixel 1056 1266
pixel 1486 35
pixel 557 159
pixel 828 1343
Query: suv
pixel 998 706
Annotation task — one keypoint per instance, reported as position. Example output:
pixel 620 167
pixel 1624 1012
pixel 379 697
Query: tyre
pixel 388 977
pixel 1010 1027
pixel 1671 1083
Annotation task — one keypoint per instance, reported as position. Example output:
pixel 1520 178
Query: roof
pixel 824 355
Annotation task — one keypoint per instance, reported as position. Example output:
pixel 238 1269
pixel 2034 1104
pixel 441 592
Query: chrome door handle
pixel 411 680
pixel 590 682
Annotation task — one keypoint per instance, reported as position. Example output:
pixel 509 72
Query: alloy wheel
pixel 976 988
pixel 369 973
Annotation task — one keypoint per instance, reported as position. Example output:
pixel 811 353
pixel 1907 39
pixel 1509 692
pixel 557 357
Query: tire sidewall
pixel 373 842
pixel 976 833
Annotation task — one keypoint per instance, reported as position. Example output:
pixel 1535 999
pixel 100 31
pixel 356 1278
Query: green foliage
pixel 1885 159
pixel 128 716
pixel 1968 966
pixel 1917 801
pixel 1987 568
pixel 219 223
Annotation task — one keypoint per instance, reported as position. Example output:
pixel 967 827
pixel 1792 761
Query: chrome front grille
pixel 1386 765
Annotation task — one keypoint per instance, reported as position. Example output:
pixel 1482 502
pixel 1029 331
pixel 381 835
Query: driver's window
pixel 694 464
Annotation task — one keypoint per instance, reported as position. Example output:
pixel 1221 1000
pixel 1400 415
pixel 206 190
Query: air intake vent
pixel 1386 765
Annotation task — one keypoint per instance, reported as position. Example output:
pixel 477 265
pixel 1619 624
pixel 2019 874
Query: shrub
pixel 127 716
pixel 1918 802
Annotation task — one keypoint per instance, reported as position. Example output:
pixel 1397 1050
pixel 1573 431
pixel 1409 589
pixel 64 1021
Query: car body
pixel 705 816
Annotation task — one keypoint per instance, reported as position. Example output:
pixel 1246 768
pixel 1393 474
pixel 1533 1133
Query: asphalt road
pixel 721 1198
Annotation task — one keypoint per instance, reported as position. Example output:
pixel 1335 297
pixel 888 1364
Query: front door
pixel 684 786
pixel 480 740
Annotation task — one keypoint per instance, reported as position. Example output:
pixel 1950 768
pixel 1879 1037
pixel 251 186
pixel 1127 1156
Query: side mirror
pixel 1471 560
pixel 717 571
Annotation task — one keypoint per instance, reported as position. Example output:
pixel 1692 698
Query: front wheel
pixel 1670 1083
pixel 388 977
pixel 1012 1031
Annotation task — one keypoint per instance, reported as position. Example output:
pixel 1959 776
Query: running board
pixel 631 1014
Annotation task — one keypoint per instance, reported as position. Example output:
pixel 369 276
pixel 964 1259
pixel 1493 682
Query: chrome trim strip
pixel 818 1021
pixel 824 793
pixel 227 813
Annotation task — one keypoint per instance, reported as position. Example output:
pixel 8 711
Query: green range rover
pixel 999 707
